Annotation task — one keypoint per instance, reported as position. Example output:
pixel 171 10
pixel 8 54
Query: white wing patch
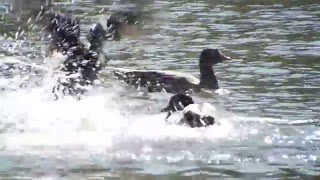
pixel 222 91
pixel 203 109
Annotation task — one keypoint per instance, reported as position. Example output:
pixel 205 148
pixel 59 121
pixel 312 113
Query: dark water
pixel 273 108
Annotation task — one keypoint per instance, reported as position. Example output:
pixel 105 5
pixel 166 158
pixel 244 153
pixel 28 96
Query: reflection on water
pixel 271 115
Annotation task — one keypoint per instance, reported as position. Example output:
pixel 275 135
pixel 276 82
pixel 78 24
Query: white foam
pixel 32 122
pixel 97 120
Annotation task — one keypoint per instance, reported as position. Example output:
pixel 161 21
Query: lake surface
pixel 271 117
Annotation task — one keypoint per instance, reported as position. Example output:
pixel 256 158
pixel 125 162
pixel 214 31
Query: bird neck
pixel 207 77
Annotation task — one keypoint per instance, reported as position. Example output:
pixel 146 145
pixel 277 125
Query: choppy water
pixel 271 118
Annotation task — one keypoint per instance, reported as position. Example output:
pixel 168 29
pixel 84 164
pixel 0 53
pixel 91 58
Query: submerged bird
pixel 118 23
pixel 194 115
pixel 175 82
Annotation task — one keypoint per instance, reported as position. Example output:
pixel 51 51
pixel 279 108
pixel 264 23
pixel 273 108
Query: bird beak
pixel 224 57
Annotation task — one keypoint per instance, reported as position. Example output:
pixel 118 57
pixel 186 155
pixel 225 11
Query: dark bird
pixel 193 115
pixel 63 31
pixel 173 81
pixel 80 66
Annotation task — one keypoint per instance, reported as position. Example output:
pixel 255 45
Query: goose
pixel 173 81
pixel 193 114
pixel 117 23
pixel 64 32
pixel 80 65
